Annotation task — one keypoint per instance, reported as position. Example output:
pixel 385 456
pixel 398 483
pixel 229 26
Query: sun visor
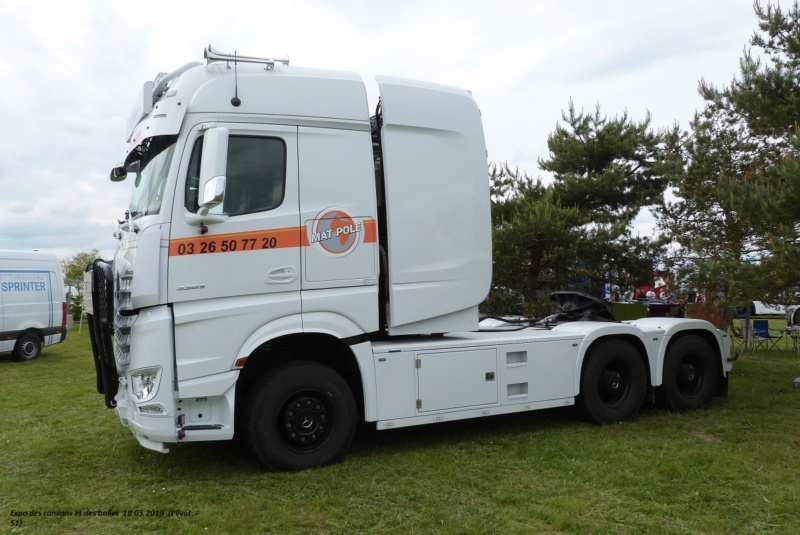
pixel 141 107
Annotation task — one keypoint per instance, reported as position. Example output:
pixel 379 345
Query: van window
pixel 256 175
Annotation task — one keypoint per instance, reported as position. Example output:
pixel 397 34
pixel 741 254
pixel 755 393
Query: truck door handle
pixel 281 275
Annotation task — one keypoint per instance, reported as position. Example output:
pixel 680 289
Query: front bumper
pixel 152 421
pixel 204 412
pixel 152 432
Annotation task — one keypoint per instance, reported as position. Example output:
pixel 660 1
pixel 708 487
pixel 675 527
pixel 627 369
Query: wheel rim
pixel 28 348
pixel 614 384
pixel 691 377
pixel 304 421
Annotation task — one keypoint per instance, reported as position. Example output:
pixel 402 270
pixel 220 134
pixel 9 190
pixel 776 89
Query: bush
pixel 76 307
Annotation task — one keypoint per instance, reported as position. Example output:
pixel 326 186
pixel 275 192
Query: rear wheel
pixel 613 383
pixel 28 347
pixel 300 415
pixel 690 375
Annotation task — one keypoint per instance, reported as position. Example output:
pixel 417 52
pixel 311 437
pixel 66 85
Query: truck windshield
pixel 154 157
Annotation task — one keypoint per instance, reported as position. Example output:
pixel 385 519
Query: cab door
pixel 230 278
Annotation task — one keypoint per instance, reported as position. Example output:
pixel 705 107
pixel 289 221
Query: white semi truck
pixel 289 264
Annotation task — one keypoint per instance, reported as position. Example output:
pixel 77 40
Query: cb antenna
pixel 236 101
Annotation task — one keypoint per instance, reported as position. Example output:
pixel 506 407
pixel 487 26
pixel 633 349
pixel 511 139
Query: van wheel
pixel 28 347
pixel 690 375
pixel 613 383
pixel 300 415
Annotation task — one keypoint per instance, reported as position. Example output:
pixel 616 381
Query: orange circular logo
pixel 336 232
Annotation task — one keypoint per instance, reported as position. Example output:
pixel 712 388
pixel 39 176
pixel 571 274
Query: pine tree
pixel 608 170
pixel 737 219
pixel 576 232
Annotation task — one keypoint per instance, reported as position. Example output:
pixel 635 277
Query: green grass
pixel 734 468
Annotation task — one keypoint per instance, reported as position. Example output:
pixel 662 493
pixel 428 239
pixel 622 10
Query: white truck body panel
pixel 32 298
pixel 533 369
pixel 350 254
pixel 438 220
pixel 304 96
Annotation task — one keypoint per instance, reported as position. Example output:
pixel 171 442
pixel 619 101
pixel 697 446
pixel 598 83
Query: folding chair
pixel 763 338
pixel 793 331
pixel 744 337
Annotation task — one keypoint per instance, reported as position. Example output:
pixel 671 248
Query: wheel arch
pixel 35 331
pixel 673 329
pixel 631 339
pixel 321 348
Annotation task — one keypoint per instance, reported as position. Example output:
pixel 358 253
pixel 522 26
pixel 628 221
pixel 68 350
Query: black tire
pixel 298 416
pixel 28 347
pixel 690 375
pixel 613 383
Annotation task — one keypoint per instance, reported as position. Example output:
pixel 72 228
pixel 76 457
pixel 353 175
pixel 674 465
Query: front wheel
pixel 28 347
pixel 690 375
pixel 300 415
pixel 613 383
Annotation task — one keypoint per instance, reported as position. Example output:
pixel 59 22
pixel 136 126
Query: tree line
pixel 730 226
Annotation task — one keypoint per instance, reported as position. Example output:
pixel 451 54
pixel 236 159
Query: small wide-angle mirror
pixel 213 192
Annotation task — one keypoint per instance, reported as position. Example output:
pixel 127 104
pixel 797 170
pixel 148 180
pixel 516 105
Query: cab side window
pixel 255 177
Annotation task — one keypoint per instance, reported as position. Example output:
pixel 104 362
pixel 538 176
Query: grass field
pixel 734 468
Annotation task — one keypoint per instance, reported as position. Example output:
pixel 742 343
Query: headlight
pixel 144 383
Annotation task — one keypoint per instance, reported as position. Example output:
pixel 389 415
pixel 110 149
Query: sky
pixel 71 70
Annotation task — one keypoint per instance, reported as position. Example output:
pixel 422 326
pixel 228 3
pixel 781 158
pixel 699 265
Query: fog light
pixel 154 409
pixel 144 383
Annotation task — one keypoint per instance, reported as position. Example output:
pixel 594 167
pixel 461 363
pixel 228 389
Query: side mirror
pixel 212 167
pixel 118 174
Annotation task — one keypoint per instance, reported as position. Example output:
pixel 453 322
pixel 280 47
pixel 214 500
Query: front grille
pixel 123 319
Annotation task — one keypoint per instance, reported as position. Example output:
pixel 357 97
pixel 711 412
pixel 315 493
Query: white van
pixel 33 308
